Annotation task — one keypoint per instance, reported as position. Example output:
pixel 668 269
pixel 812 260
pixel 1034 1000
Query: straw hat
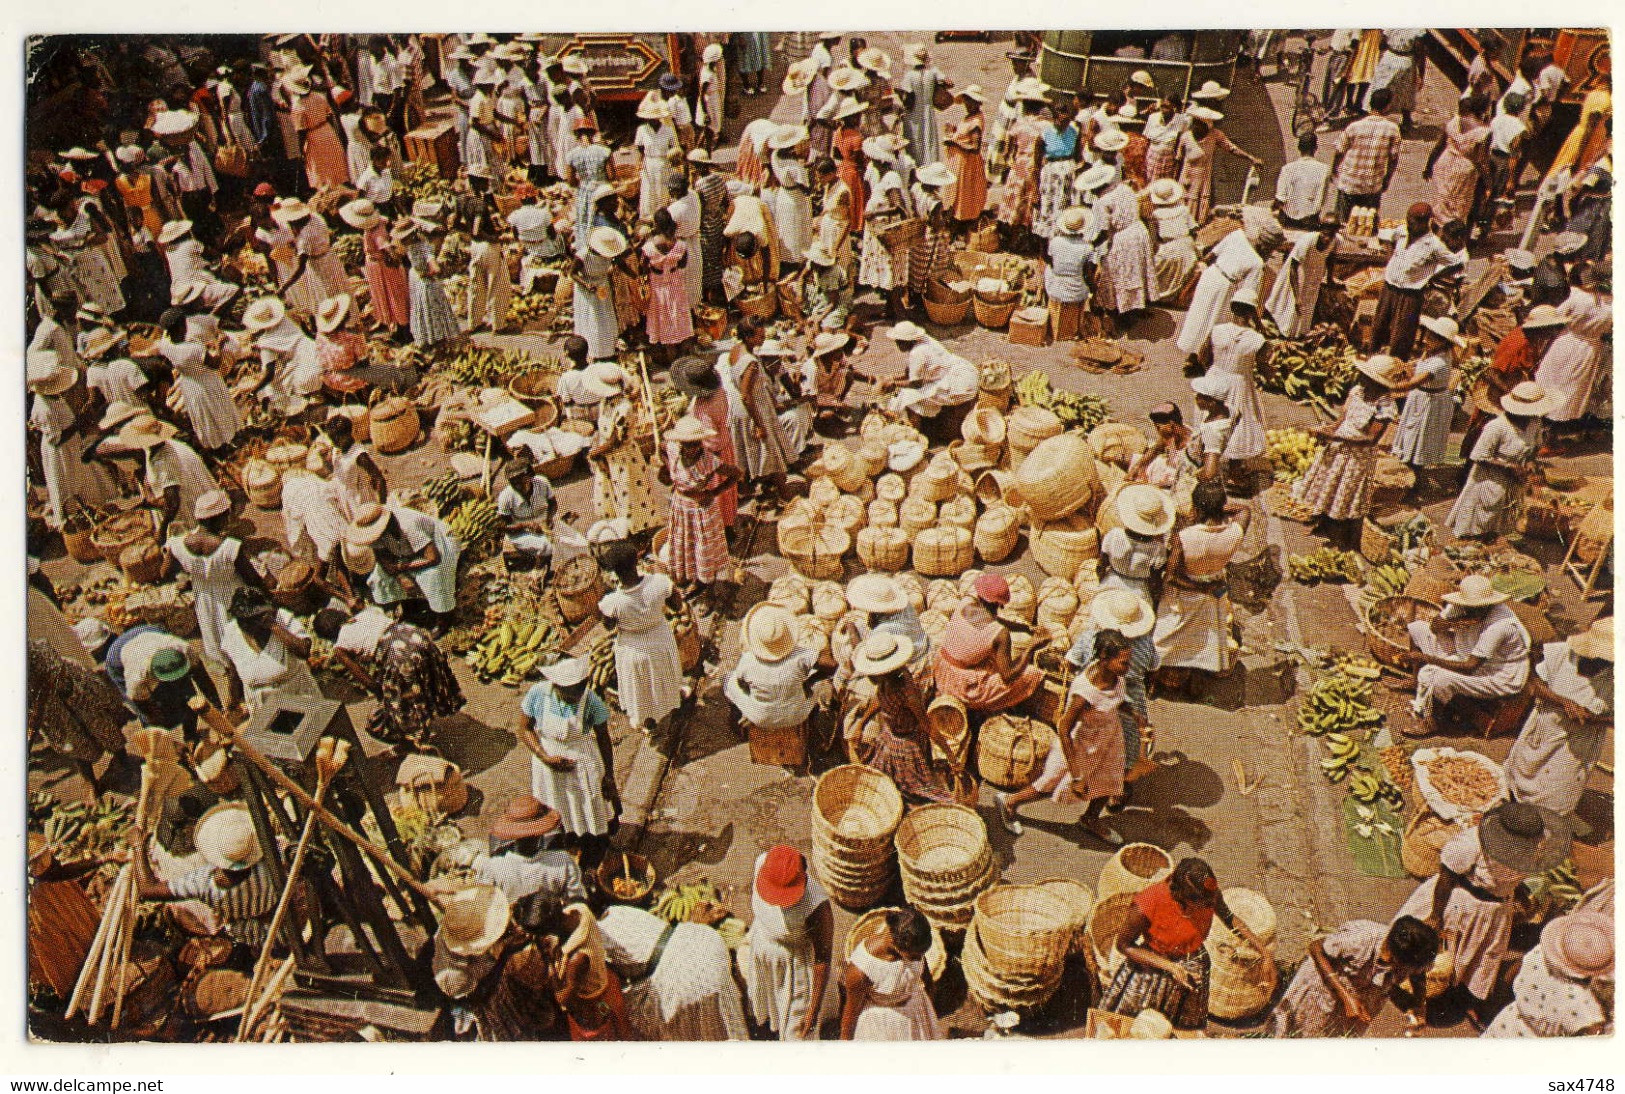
pixel 145 431
pixel 699 155
pixel 1528 398
pixel 1475 591
pixel 1568 243
pixel 1579 945
pixel 1261 228
pixel 787 136
pixel 1213 386
pixel 1143 79
pixel 487 76
pixel 367 526
pixel 173 123
pixel 1206 113
pixel 1111 140
pixel 690 430
pixel 1597 641
pixel 904 456
pixel 1031 90
pixel 117 413
pixel 1096 177
pixel 567 672
pixel 1150 1025
pixel 973 92
pixel 332 312
pixel 882 653
pixel 1520 259
pixel 798 78
pixel 172 231
pixel 984 426
pixel 1445 328
pixel 906 332
pixel 1122 611
pixel 935 174
pixel 829 342
pixel 131 155
pixel 654 109
pixel 48 375
pixel 474 919
pixel 100 341
pixel 359 559
pixel 226 839
pixel 1211 90
pixel 360 214
pixel 711 54
pixel 830 35
pixel 1387 371
pixel 525 818
pixel 876 60
pixel 849 108
pixel 1543 317
pixel 847 79
pixel 606 242
pixel 885 146
pixel 264 313
pixel 211 503
pixel 575 64
pixel 1075 221
pixel 289 210
pixel 916 54
pixel 695 377
pixel 1166 192
pixel 875 593
pixel 767 634
pixel 1523 837
pixel 604 379
pixel 1145 509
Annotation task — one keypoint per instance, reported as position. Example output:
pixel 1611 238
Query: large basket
pixel 1243 979
pixel 947 315
pixel 995 991
pixel 1058 477
pixel 946 860
pixel 856 809
pixel 1010 751
pixel 1063 548
pixel 1391 481
pixel 959 510
pixel 763 305
pixel 1023 930
pixel 941 292
pixel 578 586
pixel 944 551
pixel 262 483
pixel 144 563
pixel 997 533
pixel 1079 901
pixel 1135 866
pixel 395 425
pixel 883 548
pixel 1385 633
pixel 1026 428
pixel 122 530
pixel 1105 922
pixel 1424 839
pixel 815 550
pixel 1375 544
pixel 993 310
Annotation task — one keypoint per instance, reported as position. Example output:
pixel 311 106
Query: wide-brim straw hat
pixel 915 53
pixel 289 210
pixel 145 431
pixel 367 526
pixel 829 342
pixel 1568 243
pixel 1142 78
pixel 225 837
pixel 185 292
pixel 211 503
pixel 172 231
pixel 117 413
pixel 787 136
pixel 1261 227
pixel 906 332
pixel 798 78
pixel 1207 114
pixel 1111 140
pixel 332 312
pixel 1074 221
pixel 1097 176
pixel 1475 591
pixel 1524 838
pixel 1445 327
pixel 1213 386
pixel 699 155
pixel 875 593
pixel 767 633
pixel 474 919
pixel 1032 90
pixel 1579 945
pixel 264 313
pixel 1543 317
pixel 653 108
pixel 1385 370
pixel 1211 90
pixel 849 108
pixel 1597 641
pixel 935 174
pixel 100 341
pixel 525 818
pixel 1122 611
pixel 690 430
pixel 695 377
pixel 1527 399
pixel 131 155
pixel 487 76
pixel 847 79
pixel 1166 192
pixel 567 672
pixel 971 91
pixel 884 146
pixel 48 375
pixel 1517 258
pixel 1145 509
pixel 904 456
pixel 606 242
pixel 876 60
pixel 604 379
pixel 882 653
pixel 360 214
pixel 173 123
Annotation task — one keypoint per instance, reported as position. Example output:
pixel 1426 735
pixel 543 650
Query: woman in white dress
pixel 788 194
pixel 217 566
pixel 1235 348
pixel 313 243
pixel 684 208
pixel 1235 268
pixel 411 544
pixel 882 267
pixel 293 371
pixel 61 438
pixel 215 419
pixel 1571 720
pixel 791 940
pixel 1560 986
pixel 1175 260
pixel 1193 617
pixel 1572 365
pixel 648 670
pixel 1488 504
pixel 280 246
pixel 266 647
pixel 1424 423
pixel 885 984
pixel 1129 263
pixel 657 143
pixel 565 727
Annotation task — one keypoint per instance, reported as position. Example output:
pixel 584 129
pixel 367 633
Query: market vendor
pixel 936 378
pixel 1477 647
pixel 1501 460
pixel 400 664
pixel 267 648
pixel 157 673
pixel 1420 258
pixel 885 608
pixel 771 686
pixel 564 725
pixel 900 747
pixel 679 977
pixel 412 544
pixel 974 663
pixel 1565 985
pixel 77 712
pixel 526 506
pixel 1351 973
pixel 522 860
pixel 234 890
pixel 792 938
pixel 1573 716
pixel 1516 357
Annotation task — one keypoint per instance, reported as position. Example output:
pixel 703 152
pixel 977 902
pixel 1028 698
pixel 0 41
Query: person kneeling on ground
pixel 1348 976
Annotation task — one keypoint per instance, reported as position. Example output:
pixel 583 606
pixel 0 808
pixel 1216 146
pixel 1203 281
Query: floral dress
pixel 432 319
pixel 622 484
pixel 415 686
pixel 1338 483
pixel 1021 181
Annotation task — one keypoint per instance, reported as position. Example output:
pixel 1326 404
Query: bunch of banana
pixel 1412 534
pixel 511 652
pixel 1369 787
pixel 423 182
pixel 1325 564
pixel 1356 665
pixel 485 367
pixel 1291 451
pixel 602 660
pixel 1388 578
pixel 1080 410
pixel 474 521
pixel 1558 888
pixel 349 248
pixel 444 491
pixel 1337 704
pixel 526 308
pixel 1315 375
pixel 460 435
pixel 1342 750
pixel 1467 372
pixel 676 903
pixel 77 830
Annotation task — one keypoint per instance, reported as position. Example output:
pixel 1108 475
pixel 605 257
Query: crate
pixel 435 144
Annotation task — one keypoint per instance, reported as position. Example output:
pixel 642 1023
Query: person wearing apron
pixel 564 726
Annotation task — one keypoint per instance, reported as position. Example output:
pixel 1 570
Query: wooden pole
pixel 649 403
pixel 222 725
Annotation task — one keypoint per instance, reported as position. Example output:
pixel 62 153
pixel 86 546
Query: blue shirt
pixel 544 699
pixel 1060 144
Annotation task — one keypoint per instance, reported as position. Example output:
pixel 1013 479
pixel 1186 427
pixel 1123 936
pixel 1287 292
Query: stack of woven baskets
pixel 856 811
pixel 1016 948
pixel 946 862
pixel 1061 488
pixel 1134 867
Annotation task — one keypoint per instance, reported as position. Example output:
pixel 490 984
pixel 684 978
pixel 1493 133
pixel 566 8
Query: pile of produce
pixel 1338 704
pixel 485 367
pixel 474 522
pixel 1315 370
pixel 349 247
pixel 512 652
pixel 1462 782
pixel 1324 564
pixel 1077 410
pixel 1338 712
pixel 444 492
pixel 533 307
pixel 454 251
pixel 1554 892
pixel 460 435
pixel 422 182
pixel 677 903
pixel 1387 578
pixel 77 830
pixel 1467 372
pixel 602 660
pixel 1291 451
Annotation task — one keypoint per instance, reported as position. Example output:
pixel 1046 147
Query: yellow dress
pixel 1364 65
pixel 622 484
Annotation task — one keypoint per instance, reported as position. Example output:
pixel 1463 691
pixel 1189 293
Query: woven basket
pixel 1105 922
pixel 856 809
pixel 1025 428
pixel 958 510
pixel 891 487
pixel 938 482
pixel 1065 547
pixel 763 305
pixel 1079 901
pixel 883 548
pixel 1243 979
pixel 993 310
pixel 815 550
pixel 1375 544
pixel 1010 751
pixel 1135 866
pixel 916 514
pixel 286 455
pixel 942 292
pixel 1424 838
pixel 1023 930
pixel 1385 635
pixel 1058 477
pixel 974 457
pixel 844 469
pixel 947 315
pixel 881 514
pixel 997 533
pixel 394 424
pixel 951 908
pixel 870 458
pixel 144 563
pixel 942 850
pixel 944 551
pixel 846 512
pixel 578 586
pixel 263 484
pixel 995 991
pixel 1391 480
pixel 115 533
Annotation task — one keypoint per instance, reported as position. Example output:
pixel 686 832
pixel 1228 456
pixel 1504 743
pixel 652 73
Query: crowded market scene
pixel 819 535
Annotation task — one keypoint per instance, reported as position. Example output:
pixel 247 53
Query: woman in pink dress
pixel 698 546
pixel 669 321
pixel 1024 141
pixel 963 150
pixel 697 378
pixel 1573 365
pixel 383 263
pixel 1459 160
pixel 1197 145
pixel 325 161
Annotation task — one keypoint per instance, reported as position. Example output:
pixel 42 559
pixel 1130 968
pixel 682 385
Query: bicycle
pixel 1308 111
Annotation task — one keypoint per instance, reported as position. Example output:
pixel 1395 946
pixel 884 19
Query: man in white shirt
pixel 377 182
pixel 1477 647
pixel 1419 257
pixel 1302 187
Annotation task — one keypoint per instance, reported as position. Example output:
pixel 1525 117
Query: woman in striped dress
pixel 930 255
pixel 698 545
pixel 431 316
pixel 713 194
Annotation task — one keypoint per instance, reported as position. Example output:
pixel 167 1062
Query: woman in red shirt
pixel 1165 965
